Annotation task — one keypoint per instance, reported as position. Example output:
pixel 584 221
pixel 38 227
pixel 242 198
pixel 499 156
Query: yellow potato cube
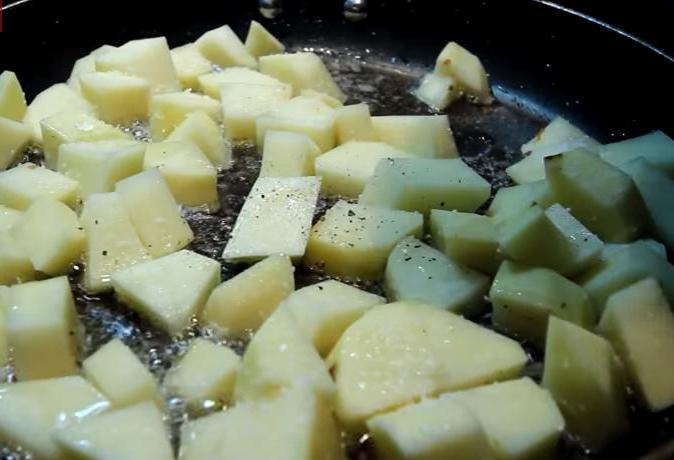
pixel 118 98
pixel 31 411
pixel 354 241
pixel 260 42
pixel 275 219
pixel 15 263
pixel 41 329
pixel 457 62
pixel 112 240
pixel 190 64
pixel 155 213
pixel 353 123
pixel 50 233
pixel 244 302
pixel 325 310
pixel 281 356
pixel 168 110
pixel 200 129
pixel 224 48
pixel 169 291
pixel 188 172
pixel 133 433
pixel 206 372
pixel 325 98
pixel 288 154
pixel 210 83
pixel 12 99
pixel 420 135
pixel 14 137
pixel 85 65
pixel 27 183
pixel 438 91
pixel 116 371
pixel 149 58
pixel 55 99
pixel 8 218
pixel 242 103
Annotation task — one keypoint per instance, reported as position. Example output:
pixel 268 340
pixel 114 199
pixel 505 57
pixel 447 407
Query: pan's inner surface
pixel 488 139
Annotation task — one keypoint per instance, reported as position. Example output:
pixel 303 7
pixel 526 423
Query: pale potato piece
pixel 169 291
pixel 12 99
pixel 323 97
pixel 55 99
pixel 345 170
pixel 50 233
pixel 188 172
pixel 206 372
pixel 281 356
pixel 353 123
pixel 354 241
pixel 190 64
pixel 14 137
pixel 118 98
pixel 31 411
pixel 132 433
pixel 210 83
pixel 155 213
pixel 168 110
pixel 27 182
pixel 8 218
pixel 419 135
pixel 457 62
pixel 200 129
pixel 438 91
pixel 398 353
pixel 302 71
pixel 512 200
pixel 74 126
pixel 260 42
pixel 15 263
pixel 4 343
pixel 148 58
pixel 260 431
pixel 41 329
pixel 120 376
pixel 85 65
pixel 288 154
pixel 112 240
pixel 244 302
pixel 275 219
pixel 222 47
pixel 98 166
pixel 657 148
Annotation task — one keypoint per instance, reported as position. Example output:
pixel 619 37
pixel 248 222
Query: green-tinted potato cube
pixel 655 147
pixel 511 200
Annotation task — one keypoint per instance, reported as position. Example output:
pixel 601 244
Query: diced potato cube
pixel 8 218
pixel 524 298
pixel 27 183
pixel 245 301
pixel 98 166
pixel 354 241
pixel 149 58
pixel 583 375
pixel 121 377
pixel 417 272
pixel 14 137
pixel 155 213
pixel 512 200
pixel 73 126
pixel 4 342
pixel 323 97
pixel 50 233
pixel 656 147
pixel 520 419
pixel 242 103
pixel 260 42
pixel 346 169
pixel 12 99
pixel 188 172
pixel 353 123
pixel 169 291
pixel 118 98
pixel 132 433
pixel 422 184
pixel 275 219
pixel 612 248
pixel 168 110
pixel 260 431
pixel 302 71
pixel 85 65
pixel 325 310
pixel 224 48
pixel 398 353
pixel 211 83
pixel 420 135
pixel 31 411
pixel 288 154
pixel 15 263
pixel 200 129
pixel 55 99
pixel 601 196
pixel 41 329
pixel 469 239
pixel 190 64
pixel 438 91
pixel 435 429
pixel 206 372
pixel 462 65
pixel 112 240
pixel 639 323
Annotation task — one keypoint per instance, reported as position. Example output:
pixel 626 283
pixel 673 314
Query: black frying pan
pixel 543 61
